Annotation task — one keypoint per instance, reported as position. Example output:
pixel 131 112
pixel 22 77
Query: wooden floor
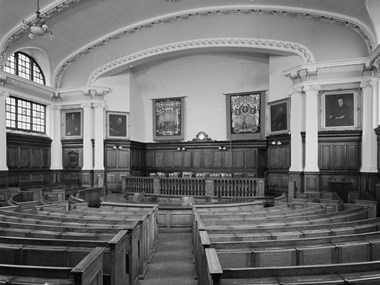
pixel 172 263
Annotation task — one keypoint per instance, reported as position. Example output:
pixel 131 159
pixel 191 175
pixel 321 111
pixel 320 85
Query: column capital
pixel 365 84
pixel 101 105
pixel 295 90
pixel 86 105
pixel 314 88
pixel 55 107
pixel 96 92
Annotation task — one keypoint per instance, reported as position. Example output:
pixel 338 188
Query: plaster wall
pixel 202 78
pixel 279 84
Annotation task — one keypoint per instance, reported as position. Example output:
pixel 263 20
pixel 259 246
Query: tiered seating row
pixel 127 240
pixel 278 249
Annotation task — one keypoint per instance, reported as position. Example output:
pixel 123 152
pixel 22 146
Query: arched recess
pixel 258 45
pixel 41 57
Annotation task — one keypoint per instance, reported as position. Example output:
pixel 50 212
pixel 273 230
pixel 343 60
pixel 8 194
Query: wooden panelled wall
pixel 278 163
pixel 28 160
pixel 122 158
pixel 339 157
pixel 134 158
pixel 72 170
pixel 246 157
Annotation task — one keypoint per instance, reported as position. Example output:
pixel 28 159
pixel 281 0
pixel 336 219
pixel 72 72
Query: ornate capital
pixel 369 69
pixel 96 92
pixel 56 97
pixel 55 107
pixel 86 105
pixel 312 89
pixel 100 105
pixel 295 90
pixel 366 84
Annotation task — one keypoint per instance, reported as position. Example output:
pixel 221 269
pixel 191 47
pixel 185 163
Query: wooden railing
pixel 217 187
pixel 138 184
pixel 182 186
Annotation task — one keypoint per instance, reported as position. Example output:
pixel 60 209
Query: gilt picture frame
pixel 72 124
pixel 279 116
pixel 117 125
pixel 340 110
pixel 168 118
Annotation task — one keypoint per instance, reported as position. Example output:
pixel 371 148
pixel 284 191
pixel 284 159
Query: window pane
pixel 25 115
pixel 24 66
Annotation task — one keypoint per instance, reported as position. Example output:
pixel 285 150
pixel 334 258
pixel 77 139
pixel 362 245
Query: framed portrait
pixel 340 110
pixel 279 116
pixel 245 115
pixel 168 118
pixel 117 125
pixel 72 123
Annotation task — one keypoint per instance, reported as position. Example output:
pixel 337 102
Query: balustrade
pixel 222 186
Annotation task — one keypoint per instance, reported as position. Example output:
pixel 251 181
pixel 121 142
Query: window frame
pixel 33 66
pixel 30 116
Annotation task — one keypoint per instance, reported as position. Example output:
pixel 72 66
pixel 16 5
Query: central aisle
pixel 172 263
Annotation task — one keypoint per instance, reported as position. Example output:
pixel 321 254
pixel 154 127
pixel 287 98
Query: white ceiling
pixel 79 23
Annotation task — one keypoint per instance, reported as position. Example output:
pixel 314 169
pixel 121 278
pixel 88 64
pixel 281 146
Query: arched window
pixel 24 66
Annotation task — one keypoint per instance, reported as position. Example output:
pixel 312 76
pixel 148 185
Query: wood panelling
pixel 197 159
pixel 325 157
pixel 187 160
pixel 279 157
pixel 204 157
pixel 110 158
pixel 122 157
pixel 339 158
pixel 28 159
pixel 353 153
pixel 251 158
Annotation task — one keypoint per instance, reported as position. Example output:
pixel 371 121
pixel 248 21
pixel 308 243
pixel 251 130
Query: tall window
pixel 25 115
pixel 24 66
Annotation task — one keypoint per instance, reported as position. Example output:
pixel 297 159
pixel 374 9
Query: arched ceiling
pixel 81 25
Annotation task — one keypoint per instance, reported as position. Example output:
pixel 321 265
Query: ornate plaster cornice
pixel 8 80
pixel 351 23
pixel 309 71
pixel 21 29
pixel 290 47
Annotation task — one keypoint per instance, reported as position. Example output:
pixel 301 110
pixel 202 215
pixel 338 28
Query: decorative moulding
pixel 310 71
pixel 350 23
pixel 21 29
pixel 290 47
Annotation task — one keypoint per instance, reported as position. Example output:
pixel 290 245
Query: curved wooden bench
pixel 87 271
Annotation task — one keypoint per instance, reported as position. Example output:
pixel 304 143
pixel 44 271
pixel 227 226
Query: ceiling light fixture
pixel 38 27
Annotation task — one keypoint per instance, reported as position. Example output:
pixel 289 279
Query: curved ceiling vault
pixel 191 9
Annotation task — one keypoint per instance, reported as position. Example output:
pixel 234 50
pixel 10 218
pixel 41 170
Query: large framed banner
pixel 245 115
pixel 117 125
pixel 340 110
pixel 279 115
pixel 168 118
pixel 72 122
